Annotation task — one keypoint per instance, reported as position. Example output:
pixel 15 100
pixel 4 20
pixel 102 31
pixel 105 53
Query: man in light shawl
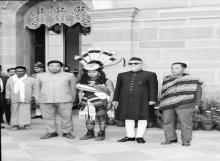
pixel 20 92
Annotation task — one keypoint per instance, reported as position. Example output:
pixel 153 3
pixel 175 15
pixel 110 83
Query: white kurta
pixel 20 109
pixel 20 114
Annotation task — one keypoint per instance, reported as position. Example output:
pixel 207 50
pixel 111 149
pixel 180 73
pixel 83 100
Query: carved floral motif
pixel 50 13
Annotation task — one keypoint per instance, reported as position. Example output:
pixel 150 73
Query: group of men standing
pixel 51 91
pixel 55 91
pixel 136 90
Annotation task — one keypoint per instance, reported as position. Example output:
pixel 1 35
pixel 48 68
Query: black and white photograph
pixel 110 80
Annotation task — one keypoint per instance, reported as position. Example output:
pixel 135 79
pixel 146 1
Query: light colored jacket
pixel 56 88
pixel 30 90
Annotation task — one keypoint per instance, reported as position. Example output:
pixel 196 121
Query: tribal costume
pixel 93 107
pixel 97 91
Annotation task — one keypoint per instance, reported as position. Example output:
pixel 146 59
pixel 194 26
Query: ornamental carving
pixel 50 13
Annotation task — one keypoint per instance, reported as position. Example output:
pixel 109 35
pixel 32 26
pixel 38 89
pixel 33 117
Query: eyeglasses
pixel 133 63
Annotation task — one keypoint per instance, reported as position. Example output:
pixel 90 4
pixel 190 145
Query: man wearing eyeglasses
pixel 135 91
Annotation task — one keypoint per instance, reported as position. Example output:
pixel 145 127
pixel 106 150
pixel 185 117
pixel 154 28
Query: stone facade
pixel 159 31
pixel 167 31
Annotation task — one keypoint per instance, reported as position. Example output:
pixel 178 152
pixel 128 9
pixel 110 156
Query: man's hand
pixel 109 106
pixel 33 100
pixel 157 113
pixel 36 101
pixel 92 83
pixel 115 104
pixel 197 108
pixel 152 103
pixel 8 101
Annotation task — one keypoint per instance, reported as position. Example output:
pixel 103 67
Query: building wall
pixel 15 40
pixel 167 31
pixel 190 35
pixel 159 31
pixel 8 39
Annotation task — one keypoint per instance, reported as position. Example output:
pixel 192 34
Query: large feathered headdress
pixel 90 58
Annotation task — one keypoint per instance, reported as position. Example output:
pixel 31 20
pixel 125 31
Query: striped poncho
pixel 178 91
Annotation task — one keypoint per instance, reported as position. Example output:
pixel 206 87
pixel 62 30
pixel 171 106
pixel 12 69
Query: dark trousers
pixel 102 119
pixel 186 125
pixel 152 117
pixel 1 106
pixel 5 109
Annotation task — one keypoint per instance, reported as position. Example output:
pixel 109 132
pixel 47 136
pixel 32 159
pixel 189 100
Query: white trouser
pixel 130 125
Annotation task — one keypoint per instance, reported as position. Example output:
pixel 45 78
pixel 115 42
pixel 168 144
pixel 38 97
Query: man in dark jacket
pixel 135 91
pixel 4 79
pixel 1 97
pixel 7 109
pixel 39 68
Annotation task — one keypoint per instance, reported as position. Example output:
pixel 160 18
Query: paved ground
pixel 25 145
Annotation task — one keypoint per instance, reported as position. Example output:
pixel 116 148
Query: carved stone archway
pixel 16 45
pixel 50 13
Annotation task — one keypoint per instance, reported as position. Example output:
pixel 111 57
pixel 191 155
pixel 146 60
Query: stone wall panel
pixel 186 33
pixel 209 55
pixel 162 44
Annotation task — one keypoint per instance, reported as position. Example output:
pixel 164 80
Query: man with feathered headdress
pixel 96 91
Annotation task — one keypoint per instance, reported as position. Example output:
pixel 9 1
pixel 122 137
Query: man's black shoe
pixel 36 117
pixel 89 135
pixel 2 127
pixel 126 139
pixel 169 142
pixel 140 140
pixel 39 116
pixel 186 143
pixel 33 117
pixel 49 135
pixel 101 136
pixel 68 135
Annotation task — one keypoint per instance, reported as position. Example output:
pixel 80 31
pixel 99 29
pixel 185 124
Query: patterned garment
pixel 178 91
pixel 92 98
pixel 92 106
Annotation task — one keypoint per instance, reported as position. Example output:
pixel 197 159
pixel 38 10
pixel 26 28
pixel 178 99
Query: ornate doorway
pixel 56 27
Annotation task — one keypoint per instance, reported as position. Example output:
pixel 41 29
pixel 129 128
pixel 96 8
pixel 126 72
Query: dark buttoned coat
pixel 4 78
pixel 133 91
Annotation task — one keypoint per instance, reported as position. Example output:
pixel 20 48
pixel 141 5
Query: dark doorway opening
pixel 39 44
pixel 71 44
